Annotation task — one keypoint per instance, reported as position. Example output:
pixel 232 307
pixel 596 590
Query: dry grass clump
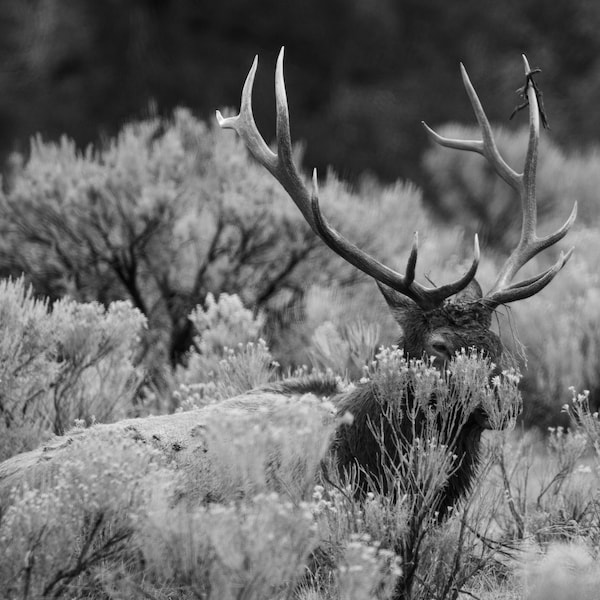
pixel 55 534
pixel 254 549
pixel 567 571
pixel 274 445
pixel 229 373
pixel 62 363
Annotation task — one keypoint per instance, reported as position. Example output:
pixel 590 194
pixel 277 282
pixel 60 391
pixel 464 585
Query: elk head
pixel 436 321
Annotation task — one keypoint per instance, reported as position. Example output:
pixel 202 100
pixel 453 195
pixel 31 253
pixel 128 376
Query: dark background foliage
pixel 361 75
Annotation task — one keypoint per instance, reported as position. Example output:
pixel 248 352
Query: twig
pixel 522 92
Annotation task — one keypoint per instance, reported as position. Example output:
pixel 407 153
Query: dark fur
pixel 461 324
pixel 356 449
pixel 319 385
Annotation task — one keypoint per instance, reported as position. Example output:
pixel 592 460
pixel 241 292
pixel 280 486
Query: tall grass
pixel 262 512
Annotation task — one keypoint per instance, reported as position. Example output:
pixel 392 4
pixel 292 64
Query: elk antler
pixel 530 244
pixel 281 166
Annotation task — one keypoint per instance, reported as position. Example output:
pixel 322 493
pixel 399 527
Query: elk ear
pixel 471 293
pixel 400 306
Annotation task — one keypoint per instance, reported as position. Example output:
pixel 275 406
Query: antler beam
pixel 524 184
pixel 282 167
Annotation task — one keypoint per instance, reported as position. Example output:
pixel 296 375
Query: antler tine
pixel 360 259
pixel 529 243
pixel 245 126
pixel 524 183
pixel 425 297
pixel 282 167
pixel 528 287
pixel 286 173
pixel 487 145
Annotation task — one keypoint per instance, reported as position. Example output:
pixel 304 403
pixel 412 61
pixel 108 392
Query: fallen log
pixel 192 442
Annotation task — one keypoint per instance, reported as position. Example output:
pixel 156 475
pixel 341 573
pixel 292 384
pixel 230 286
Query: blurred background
pixel 112 191
pixel 361 75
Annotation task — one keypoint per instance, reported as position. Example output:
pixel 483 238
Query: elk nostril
pixel 440 350
pixel 439 347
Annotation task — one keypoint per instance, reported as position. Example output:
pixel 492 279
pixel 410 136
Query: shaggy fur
pixel 462 323
pixel 322 386
pixel 355 446
pixel 356 451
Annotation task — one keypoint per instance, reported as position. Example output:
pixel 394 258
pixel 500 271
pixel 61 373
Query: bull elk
pixel 436 322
